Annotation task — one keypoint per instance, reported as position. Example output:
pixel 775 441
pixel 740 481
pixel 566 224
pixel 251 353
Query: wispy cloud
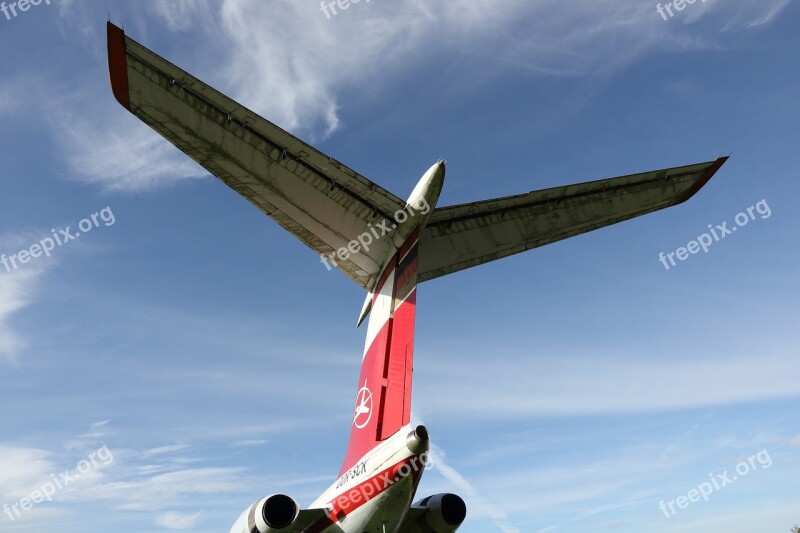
pixel 180 15
pixel 164 450
pixel 249 443
pixel 120 484
pixel 163 491
pixel 17 288
pixel 570 384
pixel 500 518
pixel 293 68
pixel 24 469
pixel 136 160
pixel 126 482
pixel 178 520
pixel 92 439
pixel 14 295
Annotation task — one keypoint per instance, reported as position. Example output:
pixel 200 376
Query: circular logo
pixel 363 412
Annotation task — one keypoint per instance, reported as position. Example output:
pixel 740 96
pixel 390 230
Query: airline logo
pixel 363 412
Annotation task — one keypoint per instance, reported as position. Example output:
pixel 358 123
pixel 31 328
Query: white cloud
pixel 596 384
pixel 16 289
pixel 440 464
pixel 164 450
pixel 767 14
pixel 121 483
pixel 97 426
pixel 12 299
pixel 120 153
pixel 249 443
pixel 178 520
pixel 24 469
pixel 91 440
pixel 288 62
pixel 292 66
pixel 180 15
pixel 165 490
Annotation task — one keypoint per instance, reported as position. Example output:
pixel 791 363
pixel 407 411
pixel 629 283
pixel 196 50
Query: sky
pixel 186 356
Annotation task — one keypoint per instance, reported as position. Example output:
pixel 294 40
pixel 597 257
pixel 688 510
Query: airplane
pixel 387 246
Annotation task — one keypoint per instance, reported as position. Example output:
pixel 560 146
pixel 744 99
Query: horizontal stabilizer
pixel 467 235
pixel 319 200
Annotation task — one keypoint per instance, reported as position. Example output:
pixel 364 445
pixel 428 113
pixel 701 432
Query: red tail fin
pixel 383 400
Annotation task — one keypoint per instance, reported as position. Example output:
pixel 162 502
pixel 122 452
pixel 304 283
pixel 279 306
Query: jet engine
pixel 441 513
pixel 272 514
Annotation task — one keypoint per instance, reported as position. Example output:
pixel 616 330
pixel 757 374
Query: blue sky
pixel 571 388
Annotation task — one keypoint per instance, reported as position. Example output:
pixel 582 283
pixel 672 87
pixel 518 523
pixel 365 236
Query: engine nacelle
pixel 441 513
pixel 273 514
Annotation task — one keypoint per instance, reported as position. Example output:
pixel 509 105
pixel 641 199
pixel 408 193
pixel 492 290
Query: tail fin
pixel 383 400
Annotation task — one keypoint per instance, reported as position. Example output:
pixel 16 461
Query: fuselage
pixel 386 455
pixel 391 467
pixel 376 493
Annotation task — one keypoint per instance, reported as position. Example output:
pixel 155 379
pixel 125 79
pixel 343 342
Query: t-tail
pixel 386 246
pixel 383 399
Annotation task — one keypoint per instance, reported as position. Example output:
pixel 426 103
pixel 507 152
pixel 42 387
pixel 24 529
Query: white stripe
pixel 381 312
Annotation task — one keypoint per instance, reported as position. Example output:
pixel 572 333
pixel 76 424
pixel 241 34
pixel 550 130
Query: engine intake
pixel 279 511
pixel 273 514
pixel 441 513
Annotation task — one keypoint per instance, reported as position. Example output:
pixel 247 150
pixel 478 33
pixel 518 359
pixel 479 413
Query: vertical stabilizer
pixel 383 400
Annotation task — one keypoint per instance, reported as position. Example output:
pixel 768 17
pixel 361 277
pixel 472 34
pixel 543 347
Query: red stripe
pixel 118 65
pixel 386 273
pixel 405 279
pixel 396 410
pixel 364 439
pixel 702 180
pixel 385 380
pixel 366 491
pixel 410 241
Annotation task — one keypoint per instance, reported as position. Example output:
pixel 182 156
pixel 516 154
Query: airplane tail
pixel 383 401
pixel 325 204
